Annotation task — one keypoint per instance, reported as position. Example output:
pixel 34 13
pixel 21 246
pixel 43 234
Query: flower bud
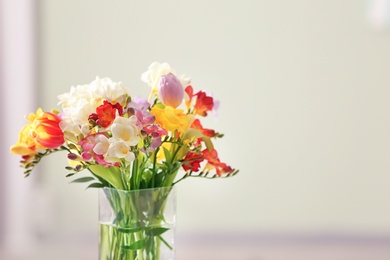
pixel 170 90
pixel 72 156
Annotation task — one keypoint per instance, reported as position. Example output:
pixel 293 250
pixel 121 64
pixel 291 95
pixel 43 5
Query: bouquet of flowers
pixel 128 143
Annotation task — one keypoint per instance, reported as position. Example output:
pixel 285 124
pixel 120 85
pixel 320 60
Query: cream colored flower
pixel 113 149
pixel 117 150
pixel 126 129
pixel 106 89
pixel 102 145
pixel 156 70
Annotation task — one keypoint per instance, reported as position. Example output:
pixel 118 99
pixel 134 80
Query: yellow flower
pixel 26 144
pixel 172 119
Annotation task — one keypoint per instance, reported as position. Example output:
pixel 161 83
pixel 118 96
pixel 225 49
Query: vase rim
pixel 140 190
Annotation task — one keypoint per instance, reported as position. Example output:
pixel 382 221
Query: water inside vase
pixel 141 243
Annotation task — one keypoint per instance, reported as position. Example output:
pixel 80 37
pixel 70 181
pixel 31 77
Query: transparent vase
pixel 138 224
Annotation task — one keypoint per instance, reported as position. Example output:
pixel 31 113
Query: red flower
pixel 203 103
pixel 49 133
pixel 106 113
pixel 213 162
pixel 192 161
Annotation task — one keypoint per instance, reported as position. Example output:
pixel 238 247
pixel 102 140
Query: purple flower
pixel 170 90
pixel 140 108
pixel 156 132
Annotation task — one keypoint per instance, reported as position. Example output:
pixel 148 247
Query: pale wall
pixel 304 88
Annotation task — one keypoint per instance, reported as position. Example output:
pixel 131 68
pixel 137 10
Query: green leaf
pixel 156 231
pixel 95 185
pixel 147 175
pixel 167 154
pixel 130 230
pixel 136 245
pixel 83 179
pixel 112 175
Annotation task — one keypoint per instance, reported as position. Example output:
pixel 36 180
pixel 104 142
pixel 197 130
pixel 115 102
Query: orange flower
pixel 213 162
pixel 198 126
pixel 42 132
pixel 190 94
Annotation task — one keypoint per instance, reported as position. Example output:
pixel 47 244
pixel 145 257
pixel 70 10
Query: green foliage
pixel 112 175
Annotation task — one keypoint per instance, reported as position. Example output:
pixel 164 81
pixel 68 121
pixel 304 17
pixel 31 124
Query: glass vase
pixel 138 224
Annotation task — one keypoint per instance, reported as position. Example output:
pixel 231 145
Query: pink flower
pixel 155 132
pixel 88 144
pixel 170 90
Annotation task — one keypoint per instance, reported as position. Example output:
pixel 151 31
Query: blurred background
pixel 304 89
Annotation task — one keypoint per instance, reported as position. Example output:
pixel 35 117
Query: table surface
pixel 224 247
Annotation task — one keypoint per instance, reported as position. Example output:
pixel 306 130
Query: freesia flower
pixel 106 113
pixel 42 132
pixel 82 101
pixel 126 129
pixel 192 161
pixel 101 144
pixel 156 70
pixel 170 90
pixel 140 104
pixel 203 102
pixel 172 119
pixel 213 162
pixel 26 144
pixel 117 150
pixel 128 142
pixel 198 126
pixel 94 147
pixel 106 89
pixel 188 96
pixel 140 108
pixel 155 132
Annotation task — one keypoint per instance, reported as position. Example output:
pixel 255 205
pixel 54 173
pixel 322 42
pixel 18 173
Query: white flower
pixel 74 96
pixel 117 150
pixel 75 120
pixel 126 129
pixel 156 70
pixel 82 101
pixel 113 149
pixel 106 89
pixel 102 145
